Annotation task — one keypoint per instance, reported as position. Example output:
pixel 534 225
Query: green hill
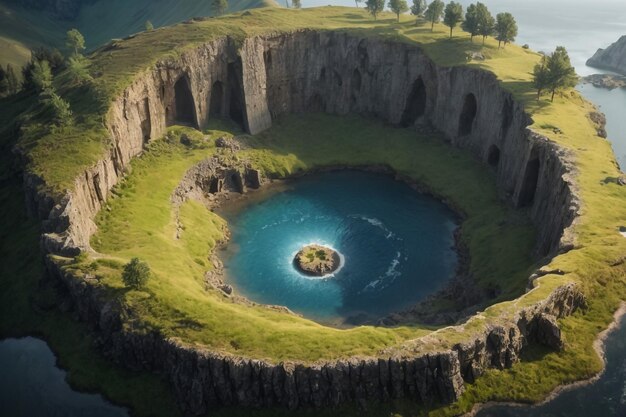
pixel 22 28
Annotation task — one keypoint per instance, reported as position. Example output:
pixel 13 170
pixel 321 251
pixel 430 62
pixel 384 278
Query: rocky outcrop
pixel 608 81
pixel 253 83
pixel 612 58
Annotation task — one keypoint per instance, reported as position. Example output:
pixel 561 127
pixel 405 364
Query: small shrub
pixel 136 274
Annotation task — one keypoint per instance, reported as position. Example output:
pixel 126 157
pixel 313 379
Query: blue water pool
pixel 397 245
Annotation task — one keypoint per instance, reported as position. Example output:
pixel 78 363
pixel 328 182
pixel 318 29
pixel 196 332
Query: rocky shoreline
pixel 608 81
pixel 598 346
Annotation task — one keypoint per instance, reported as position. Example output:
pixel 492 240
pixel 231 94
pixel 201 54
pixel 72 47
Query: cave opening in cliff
pixel 185 110
pixel 468 114
pixel 235 108
pixel 217 99
pixel 529 184
pixel 146 123
pixel 493 156
pixel 415 104
pixel 507 117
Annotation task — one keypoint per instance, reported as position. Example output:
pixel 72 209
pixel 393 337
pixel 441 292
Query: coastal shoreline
pixel 599 345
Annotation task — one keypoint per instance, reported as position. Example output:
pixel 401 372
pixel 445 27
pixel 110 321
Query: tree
pixel 136 273
pixel 541 76
pixel 560 72
pixel 470 24
pixel 78 71
pixel 59 109
pixel 13 83
pixel 75 40
pixel 418 8
pixel 356 2
pixel 506 28
pixel 149 26
pixel 398 7
pixel 297 4
pixel 220 6
pixel 486 21
pixel 453 15
pixel 42 76
pixel 374 7
pixel 53 56
pixel 434 12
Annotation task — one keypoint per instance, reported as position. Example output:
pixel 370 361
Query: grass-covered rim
pixel 596 264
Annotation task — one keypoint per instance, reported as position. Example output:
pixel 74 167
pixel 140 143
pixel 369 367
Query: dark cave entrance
pixel 415 104
pixel 468 114
pixel 183 103
pixel 493 156
pixel 146 124
pixel 507 116
pixel 235 108
pixel 529 184
pixel 217 99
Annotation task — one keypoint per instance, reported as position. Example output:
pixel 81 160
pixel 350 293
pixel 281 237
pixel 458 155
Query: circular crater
pixel 343 247
pixel 317 261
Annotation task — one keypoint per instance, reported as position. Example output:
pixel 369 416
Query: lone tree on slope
pixel 297 4
pixel 398 7
pixel 75 40
pixel 418 8
pixel 505 29
pixel 470 24
pixel 486 21
pixel 136 273
pixel 374 7
pixel 453 15
pixel 219 7
pixel 434 12
pixel 561 74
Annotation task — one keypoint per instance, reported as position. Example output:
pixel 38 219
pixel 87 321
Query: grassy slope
pixel 600 245
pixel 22 29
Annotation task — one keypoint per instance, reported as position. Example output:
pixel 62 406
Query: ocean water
pixel 396 245
pixel 32 385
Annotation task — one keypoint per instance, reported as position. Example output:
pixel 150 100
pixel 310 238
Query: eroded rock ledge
pixel 337 73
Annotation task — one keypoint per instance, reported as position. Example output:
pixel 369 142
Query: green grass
pixel 140 221
pixel 594 264
pixel 21 28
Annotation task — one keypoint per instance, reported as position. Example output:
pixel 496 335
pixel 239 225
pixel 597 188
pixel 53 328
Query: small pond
pixel 396 245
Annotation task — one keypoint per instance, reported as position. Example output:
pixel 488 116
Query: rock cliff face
pixel 612 58
pixel 202 379
pixel 334 72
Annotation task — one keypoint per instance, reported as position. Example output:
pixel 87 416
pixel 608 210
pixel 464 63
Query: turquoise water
pixel 32 385
pixel 396 244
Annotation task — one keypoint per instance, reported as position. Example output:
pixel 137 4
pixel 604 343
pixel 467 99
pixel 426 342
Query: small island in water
pixel 317 260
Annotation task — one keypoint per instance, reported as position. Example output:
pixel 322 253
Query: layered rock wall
pixel 203 380
pixel 337 73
